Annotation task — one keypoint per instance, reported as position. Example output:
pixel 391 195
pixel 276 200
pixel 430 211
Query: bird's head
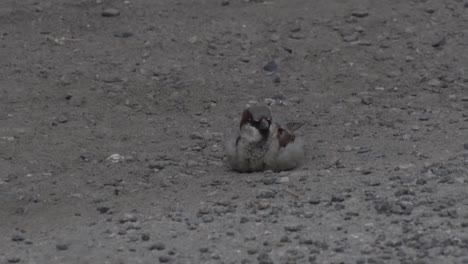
pixel 257 117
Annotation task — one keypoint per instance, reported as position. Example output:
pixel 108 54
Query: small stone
pixel 115 158
pixel 366 249
pixel 103 209
pixel 17 238
pixel 360 13
pixel 351 37
pixel 196 135
pixel 270 66
pixel 434 82
pixel 62 246
pixel 193 39
pixel 404 166
pixel 145 237
pixel 284 179
pixel 285 239
pixel 366 100
pixel 274 37
pixel 373 183
pixel 266 194
pixel 110 12
pixel 157 246
pixel 159 165
pixel 295 99
pixel 314 200
pixel 338 197
pixel 263 204
pixel 225 3
pixel 263 258
pixel 439 42
pixel 207 218
pixel 128 218
pixel 465 146
pixel 164 259
pixel 293 227
pixel 75 100
pixel 252 251
pixel 409 58
pixel 13 260
pixel 124 34
pixel 296 36
pixel 62 118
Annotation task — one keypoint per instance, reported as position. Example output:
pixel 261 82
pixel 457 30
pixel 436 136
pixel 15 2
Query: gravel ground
pixel 113 116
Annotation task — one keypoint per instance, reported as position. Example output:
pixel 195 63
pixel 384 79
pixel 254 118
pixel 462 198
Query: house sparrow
pixel 261 144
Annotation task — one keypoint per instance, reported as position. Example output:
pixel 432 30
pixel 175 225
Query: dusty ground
pixel 382 85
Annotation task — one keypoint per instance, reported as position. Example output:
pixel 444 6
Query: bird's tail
pixel 293 126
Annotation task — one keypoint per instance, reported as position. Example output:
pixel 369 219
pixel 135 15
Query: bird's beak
pixel 264 125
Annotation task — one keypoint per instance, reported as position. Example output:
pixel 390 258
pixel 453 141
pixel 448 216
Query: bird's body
pixel 262 145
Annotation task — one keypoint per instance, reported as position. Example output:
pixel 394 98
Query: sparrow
pixel 261 144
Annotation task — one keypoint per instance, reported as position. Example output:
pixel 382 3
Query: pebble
pixel 434 82
pixel 62 246
pixel 295 99
pixel 404 166
pixel 207 218
pixel 274 37
pixel 128 218
pixel 366 100
pixel 110 12
pixel 164 259
pixel 13 260
pixel 159 164
pixel 284 179
pixel 17 238
pixel 75 100
pixel 293 227
pixel 296 36
pixel 266 194
pixel 270 66
pixel 115 158
pixel 62 118
pixel 196 135
pixel 439 42
pixel 263 204
pixel 465 146
pixel 103 209
pixel 145 237
pixel 263 258
pixel 157 246
pixel 126 34
pixel 314 200
pixel 285 239
pixel 337 197
pixel 360 13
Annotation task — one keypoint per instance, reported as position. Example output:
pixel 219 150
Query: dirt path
pixel 113 113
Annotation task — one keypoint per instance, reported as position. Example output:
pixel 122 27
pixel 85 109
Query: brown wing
pixel 285 137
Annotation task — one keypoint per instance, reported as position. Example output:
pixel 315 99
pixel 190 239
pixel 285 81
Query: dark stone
pixel 270 66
